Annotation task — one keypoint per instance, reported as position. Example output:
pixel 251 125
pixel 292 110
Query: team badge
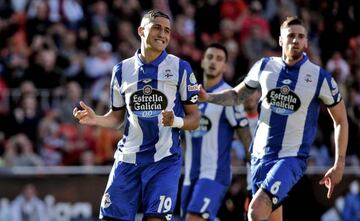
pixel 106 201
pixel 204 127
pixel 192 78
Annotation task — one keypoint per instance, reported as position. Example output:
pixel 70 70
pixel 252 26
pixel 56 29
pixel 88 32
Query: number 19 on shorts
pixel 165 204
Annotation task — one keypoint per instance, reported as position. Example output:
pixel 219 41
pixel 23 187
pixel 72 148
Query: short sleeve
pixel 188 86
pixel 329 91
pixel 252 78
pixel 117 100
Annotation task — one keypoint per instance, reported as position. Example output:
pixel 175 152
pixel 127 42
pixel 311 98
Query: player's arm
pixel 228 97
pixel 87 116
pixel 189 122
pixel 245 137
pixel 192 117
pixel 335 173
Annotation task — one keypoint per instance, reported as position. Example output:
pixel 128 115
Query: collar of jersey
pixel 213 88
pixel 299 63
pixel 155 62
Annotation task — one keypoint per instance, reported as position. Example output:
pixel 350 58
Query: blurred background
pixel 54 53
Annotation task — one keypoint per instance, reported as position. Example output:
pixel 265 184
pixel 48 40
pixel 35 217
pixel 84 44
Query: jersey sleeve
pixel 252 78
pixel 117 100
pixel 188 86
pixel 236 116
pixel 329 91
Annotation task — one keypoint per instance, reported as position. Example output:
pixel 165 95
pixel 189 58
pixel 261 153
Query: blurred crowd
pixel 54 53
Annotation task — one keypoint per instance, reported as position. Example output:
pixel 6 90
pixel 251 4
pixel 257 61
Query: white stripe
pixel 305 90
pixel 264 118
pixel 209 148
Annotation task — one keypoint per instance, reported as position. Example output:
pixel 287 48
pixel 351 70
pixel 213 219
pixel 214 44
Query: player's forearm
pixel 191 121
pixel 110 120
pixel 231 97
pixel 341 141
pixel 226 98
pixel 246 138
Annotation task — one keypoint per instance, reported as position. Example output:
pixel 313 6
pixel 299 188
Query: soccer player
pixel 207 156
pixel 292 88
pixel 155 95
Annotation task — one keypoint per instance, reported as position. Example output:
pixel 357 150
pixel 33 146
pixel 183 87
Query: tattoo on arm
pixel 230 97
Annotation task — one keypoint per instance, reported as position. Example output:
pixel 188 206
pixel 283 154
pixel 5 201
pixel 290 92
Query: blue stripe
pixel 126 131
pixel 224 139
pixel 264 62
pixel 196 157
pixel 182 67
pixel 278 122
pixel 196 150
pixel 311 119
pixel 149 126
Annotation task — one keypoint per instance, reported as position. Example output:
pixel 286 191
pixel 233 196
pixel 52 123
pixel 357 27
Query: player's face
pixel 293 41
pixel 156 34
pixel 213 62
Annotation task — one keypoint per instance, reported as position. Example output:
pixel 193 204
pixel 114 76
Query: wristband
pixel 178 122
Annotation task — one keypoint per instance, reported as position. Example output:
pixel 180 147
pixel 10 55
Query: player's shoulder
pixel 180 61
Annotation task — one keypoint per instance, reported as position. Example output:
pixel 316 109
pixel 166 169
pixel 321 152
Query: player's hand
pixel 332 177
pixel 84 114
pixel 167 118
pixel 203 95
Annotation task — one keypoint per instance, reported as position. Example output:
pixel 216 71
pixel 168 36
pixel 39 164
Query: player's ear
pixel 141 31
pixel 280 41
pixel 225 67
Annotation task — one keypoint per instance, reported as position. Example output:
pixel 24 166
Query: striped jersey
pixel 145 90
pixel 208 147
pixel 289 105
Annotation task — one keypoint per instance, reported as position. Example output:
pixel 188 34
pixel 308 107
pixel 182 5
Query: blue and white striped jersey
pixel 208 147
pixel 289 105
pixel 147 89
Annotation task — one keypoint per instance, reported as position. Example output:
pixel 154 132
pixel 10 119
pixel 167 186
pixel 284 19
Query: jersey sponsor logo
pixel 105 201
pixel 204 127
pixel 147 102
pixel 193 87
pixel 283 101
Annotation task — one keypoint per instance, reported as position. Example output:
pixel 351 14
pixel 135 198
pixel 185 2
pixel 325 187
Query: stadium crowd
pixel 54 53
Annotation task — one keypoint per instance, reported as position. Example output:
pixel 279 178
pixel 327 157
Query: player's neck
pixel 289 61
pixel 210 82
pixel 148 56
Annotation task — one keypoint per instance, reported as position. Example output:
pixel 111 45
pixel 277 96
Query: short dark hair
pixel 218 46
pixel 152 14
pixel 293 20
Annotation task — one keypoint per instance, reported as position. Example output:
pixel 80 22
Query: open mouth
pixel 160 41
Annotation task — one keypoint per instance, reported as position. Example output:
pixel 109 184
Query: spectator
pixel 19 152
pixel 27 206
pixel 351 211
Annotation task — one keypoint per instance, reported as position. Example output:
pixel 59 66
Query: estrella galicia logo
pixel 148 102
pixel 283 101
pixel 204 127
